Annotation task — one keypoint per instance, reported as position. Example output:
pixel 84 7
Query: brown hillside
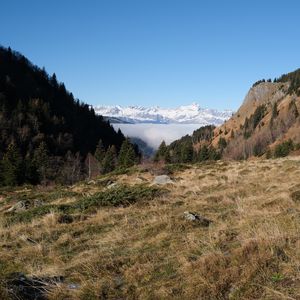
pixel 249 133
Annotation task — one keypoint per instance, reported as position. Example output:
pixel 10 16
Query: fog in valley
pixel 154 134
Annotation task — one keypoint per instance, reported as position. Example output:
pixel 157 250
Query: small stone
pixel 73 286
pixel 112 185
pixel 19 206
pixel 197 218
pixel 38 202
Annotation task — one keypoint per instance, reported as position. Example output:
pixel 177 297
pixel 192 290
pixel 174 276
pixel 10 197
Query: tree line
pixel 42 167
pixel 45 133
pixel 190 149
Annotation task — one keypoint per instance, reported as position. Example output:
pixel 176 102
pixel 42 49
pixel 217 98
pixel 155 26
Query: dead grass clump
pixel 116 243
pixel 296 196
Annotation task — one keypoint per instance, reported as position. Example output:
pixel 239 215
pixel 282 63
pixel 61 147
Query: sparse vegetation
pixel 254 120
pixel 283 149
pixel 115 238
pixel 294 79
pixel 258 82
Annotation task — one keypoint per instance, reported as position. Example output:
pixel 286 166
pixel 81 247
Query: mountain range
pixel 188 114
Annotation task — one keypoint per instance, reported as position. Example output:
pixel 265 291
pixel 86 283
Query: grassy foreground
pixel 130 240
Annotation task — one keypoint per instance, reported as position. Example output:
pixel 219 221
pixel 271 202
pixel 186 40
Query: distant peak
pixel 186 114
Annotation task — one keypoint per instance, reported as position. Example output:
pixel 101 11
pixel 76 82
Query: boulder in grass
pixel 162 180
pixel 19 206
pixel 197 219
pixel 31 288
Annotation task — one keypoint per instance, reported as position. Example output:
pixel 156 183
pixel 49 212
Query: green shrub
pixel 284 148
pixel 251 123
pixel 269 154
pixel 119 196
pixel 296 196
pixel 222 143
pixel 172 168
pixel 30 214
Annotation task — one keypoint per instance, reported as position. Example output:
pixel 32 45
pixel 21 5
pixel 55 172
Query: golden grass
pixel 149 251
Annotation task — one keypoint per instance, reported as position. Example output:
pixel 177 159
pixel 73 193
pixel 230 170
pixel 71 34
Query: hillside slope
pixel 37 111
pixel 119 237
pixel 268 117
pixel 267 124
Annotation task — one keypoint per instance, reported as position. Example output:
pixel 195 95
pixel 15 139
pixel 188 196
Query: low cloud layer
pixel 154 134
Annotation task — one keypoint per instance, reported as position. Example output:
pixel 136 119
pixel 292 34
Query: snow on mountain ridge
pixel 186 114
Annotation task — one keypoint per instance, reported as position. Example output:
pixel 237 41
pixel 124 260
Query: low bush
pixel 296 196
pixel 119 196
pixel 172 168
pixel 283 149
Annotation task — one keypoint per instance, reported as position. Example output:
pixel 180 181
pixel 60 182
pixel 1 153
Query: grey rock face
pixel 263 92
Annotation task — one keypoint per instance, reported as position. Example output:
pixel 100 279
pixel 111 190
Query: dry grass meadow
pixel 141 246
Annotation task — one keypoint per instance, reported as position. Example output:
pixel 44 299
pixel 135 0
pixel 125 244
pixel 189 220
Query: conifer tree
pixel 126 157
pixel 131 156
pixel 187 152
pixel 123 153
pixel 100 151
pixel 203 153
pixel 167 157
pixel 12 166
pixel 53 80
pixel 222 143
pixel 41 160
pixel 274 110
pixel 293 109
pixel 160 153
pixel 31 172
pixel 110 160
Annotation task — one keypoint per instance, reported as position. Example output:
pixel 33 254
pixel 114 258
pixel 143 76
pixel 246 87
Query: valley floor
pixel 142 247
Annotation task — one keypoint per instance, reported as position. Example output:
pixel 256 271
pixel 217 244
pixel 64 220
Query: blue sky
pixel 156 52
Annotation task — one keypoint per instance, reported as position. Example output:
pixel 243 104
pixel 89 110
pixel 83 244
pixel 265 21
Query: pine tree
pixel 187 152
pixel 100 151
pixel 167 157
pixel 274 110
pixel 110 159
pixel 122 158
pixel 12 166
pixel 203 153
pixel 293 109
pixel 232 133
pixel 126 157
pixel 31 172
pixel 41 160
pixel 53 80
pixel 160 153
pixel 222 143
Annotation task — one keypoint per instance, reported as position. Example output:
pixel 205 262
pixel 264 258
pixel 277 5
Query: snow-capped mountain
pixel 189 114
